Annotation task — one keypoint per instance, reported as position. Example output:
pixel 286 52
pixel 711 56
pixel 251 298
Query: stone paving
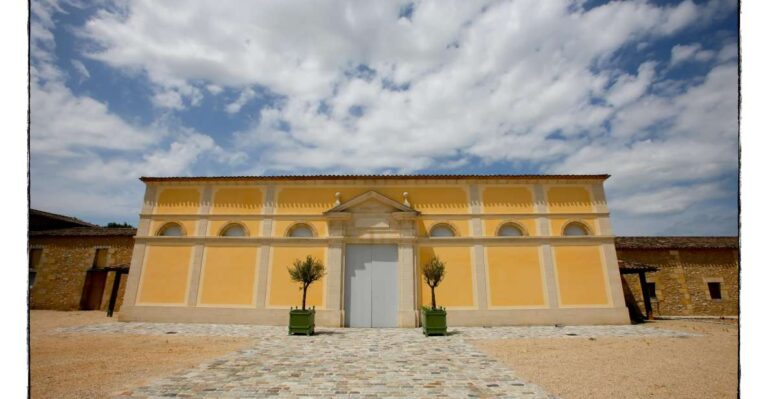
pixel 353 363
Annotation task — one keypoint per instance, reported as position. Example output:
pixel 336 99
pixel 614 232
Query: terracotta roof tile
pixel 60 217
pixel 676 242
pixel 629 267
pixel 85 232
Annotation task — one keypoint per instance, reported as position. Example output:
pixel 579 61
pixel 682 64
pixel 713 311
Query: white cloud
pixel 168 99
pixel 245 96
pixel 728 52
pixel 668 200
pixel 629 88
pixel 81 70
pixel 681 53
pixel 523 81
pixel 214 89
pixel 71 135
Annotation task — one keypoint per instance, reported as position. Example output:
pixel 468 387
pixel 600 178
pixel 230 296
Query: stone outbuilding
pixel 73 264
pixel 697 276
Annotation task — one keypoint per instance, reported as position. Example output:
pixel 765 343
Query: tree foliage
pixel 433 273
pixel 306 272
pixel 115 224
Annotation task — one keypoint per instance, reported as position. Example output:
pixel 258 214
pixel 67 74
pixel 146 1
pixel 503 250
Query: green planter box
pixel 302 322
pixel 433 322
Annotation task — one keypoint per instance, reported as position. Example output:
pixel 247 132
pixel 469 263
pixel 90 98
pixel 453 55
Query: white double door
pixel 370 281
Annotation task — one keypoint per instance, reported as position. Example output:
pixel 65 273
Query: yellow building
pixel 519 249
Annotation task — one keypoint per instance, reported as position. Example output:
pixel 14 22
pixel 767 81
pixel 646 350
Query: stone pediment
pixel 372 203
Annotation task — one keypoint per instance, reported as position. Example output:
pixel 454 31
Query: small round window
pixel 442 230
pixel 301 230
pixel 510 230
pixel 575 229
pixel 171 230
pixel 234 230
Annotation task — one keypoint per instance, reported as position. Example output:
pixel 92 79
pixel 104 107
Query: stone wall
pixel 63 265
pixel 681 282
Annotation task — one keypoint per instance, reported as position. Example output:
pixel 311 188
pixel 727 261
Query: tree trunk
pixel 304 298
pixel 434 306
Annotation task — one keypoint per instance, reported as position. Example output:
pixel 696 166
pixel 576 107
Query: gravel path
pixel 354 363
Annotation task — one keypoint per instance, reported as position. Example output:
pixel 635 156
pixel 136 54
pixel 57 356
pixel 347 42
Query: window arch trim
pixel 447 225
pixel 160 232
pixel 520 227
pixel 230 225
pixel 291 228
pixel 579 224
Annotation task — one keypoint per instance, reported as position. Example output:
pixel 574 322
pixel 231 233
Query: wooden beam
pixel 646 297
pixel 113 294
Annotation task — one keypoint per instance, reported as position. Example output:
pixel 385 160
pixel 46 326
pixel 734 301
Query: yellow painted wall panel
pixel 178 201
pixel 428 200
pixel 312 200
pixel 423 226
pixel 457 288
pixel 558 224
pixel 228 275
pixel 514 275
pixel 281 226
pixel 569 199
pixel 492 225
pixel 283 291
pixel 580 275
pixel 237 200
pixel 432 200
pixel 507 200
pixel 253 226
pixel 165 275
pixel 190 226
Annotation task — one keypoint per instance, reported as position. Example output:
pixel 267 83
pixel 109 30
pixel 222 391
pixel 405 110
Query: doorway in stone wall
pixel 370 286
pixel 93 289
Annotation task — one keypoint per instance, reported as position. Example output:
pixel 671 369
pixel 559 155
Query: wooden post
pixel 646 297
pixel 113 294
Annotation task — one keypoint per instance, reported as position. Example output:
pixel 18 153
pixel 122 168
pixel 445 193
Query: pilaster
pixel 199 249
pixel 601 206
pixel 546 254
pixel 613 276
pixel 264 251
pixel 134 274
pixel 540 207
pixel 408 314
pixel 478 253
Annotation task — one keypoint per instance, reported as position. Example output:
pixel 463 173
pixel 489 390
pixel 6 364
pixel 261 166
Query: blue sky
pixel 644 91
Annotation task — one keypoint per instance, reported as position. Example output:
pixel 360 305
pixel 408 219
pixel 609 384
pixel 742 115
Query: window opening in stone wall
pixel 34 261
pixel 714 290
pixel 652 290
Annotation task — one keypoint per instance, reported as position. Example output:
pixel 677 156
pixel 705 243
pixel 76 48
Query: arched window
pixel 171 229
pixel 575 229
pixel 442 230
pixel 301 230
pixel 510 230
pixel 233 230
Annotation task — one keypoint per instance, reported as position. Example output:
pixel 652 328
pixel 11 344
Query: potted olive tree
pixel 433 319
pixel 305 273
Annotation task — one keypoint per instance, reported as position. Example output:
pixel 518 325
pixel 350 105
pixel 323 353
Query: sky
pixel 644 91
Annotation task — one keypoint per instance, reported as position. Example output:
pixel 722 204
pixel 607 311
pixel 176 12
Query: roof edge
pixel 148 179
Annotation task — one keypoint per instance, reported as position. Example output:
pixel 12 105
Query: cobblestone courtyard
pixel 353 363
